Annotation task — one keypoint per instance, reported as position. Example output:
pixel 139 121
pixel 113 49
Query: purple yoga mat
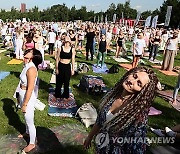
pixel 99 69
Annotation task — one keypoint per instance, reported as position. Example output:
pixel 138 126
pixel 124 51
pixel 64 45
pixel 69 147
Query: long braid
pixel 135 105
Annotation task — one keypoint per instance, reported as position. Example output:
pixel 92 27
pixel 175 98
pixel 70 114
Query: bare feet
pixel 23 135
pixel 174 102
pixel 29 148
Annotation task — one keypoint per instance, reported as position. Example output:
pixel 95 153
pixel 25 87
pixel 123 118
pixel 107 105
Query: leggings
pixel 101 55
pixel 89 47
pixel 176 89
pixel 29 115
pixel 51 48
pixel 19 52
pixel 154 51
pixel 63 78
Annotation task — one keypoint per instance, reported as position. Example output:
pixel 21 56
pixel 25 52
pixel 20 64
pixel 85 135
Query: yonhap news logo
pixel 103 139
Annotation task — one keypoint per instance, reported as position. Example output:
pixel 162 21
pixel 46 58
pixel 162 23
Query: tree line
pixel 61 12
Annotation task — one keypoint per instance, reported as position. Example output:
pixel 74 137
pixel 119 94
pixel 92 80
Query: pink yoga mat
pixel 154 111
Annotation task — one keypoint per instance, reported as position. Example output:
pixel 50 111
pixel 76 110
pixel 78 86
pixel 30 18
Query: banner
pixel 106 19
pixel 114 18
pixel 94 19
pixel 102 18
pixel 137 18
pixel 154 22
pixel 168 16
pixel 148 22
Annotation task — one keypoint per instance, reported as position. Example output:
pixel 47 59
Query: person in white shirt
pixel 138 49
pixel 51 41
pixel 169 53
pixel 58 45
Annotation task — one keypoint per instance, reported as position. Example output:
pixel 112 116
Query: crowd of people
pixel 124 110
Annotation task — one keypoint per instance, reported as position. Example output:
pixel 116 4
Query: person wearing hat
pixel 65 56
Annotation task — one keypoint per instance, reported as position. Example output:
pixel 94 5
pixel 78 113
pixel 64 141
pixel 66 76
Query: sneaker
pixel 157 132
pixel 170 132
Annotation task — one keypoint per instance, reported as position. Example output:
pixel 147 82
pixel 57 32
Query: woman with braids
pixel 123 114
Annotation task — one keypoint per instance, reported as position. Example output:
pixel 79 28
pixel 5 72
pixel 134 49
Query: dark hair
pixel 37 56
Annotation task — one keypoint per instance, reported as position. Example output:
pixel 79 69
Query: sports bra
pixel 73 38
pixel 157 39
pixel 29 45
pixel 65 55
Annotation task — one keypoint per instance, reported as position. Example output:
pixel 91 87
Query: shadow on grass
pixel 13 118
pixel 47 140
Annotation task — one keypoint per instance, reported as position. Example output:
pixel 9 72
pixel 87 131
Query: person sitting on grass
pixel 102 50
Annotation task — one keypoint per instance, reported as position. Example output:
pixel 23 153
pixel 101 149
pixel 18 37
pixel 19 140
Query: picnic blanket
pixel 168 95
pixel 120 60
pixel 14 62
pixel 3 75
pixel 98 69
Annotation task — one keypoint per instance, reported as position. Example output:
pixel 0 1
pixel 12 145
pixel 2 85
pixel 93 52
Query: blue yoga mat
pixel 3 75
pixel 98 69
pixel 62 112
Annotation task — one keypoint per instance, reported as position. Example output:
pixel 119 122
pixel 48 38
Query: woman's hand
pixel 72 72
pixel 57 71
pixel 24 108
pixel 87 143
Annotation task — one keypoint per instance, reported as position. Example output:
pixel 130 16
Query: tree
pixel 111 11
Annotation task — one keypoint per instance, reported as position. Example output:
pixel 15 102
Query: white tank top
pixel 23 77
pixel 172 44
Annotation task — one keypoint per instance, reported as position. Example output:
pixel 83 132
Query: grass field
pixel 12 122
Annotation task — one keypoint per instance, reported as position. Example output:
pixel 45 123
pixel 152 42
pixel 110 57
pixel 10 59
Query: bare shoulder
pixel 32 71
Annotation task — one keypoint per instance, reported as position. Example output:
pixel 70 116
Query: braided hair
pixel 134 105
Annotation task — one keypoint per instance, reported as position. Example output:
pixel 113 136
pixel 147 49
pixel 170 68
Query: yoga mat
pixel 170 73
pixel 3 50
pixel 14 62
pixel 53 79
pixel 113 50
pixel 3 75
pixel 120 60
pixel 98 69
pixel 156 61
pixel 140 61
pixel 126 66
pixel 168 96
pixel 164 150
pixel 154 111
pixel 44 65
pixel 54 138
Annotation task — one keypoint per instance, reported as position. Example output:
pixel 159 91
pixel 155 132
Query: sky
pixel 95 5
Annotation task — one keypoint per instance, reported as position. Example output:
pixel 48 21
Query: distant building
pixel 23 7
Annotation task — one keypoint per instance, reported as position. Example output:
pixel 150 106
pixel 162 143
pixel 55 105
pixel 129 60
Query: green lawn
pixel 11 122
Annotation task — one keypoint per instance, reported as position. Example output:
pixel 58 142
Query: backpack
pixel 83 68
pixel 92 84
pixel 114 69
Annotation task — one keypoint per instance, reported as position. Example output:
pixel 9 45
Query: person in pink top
pixel 28 42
